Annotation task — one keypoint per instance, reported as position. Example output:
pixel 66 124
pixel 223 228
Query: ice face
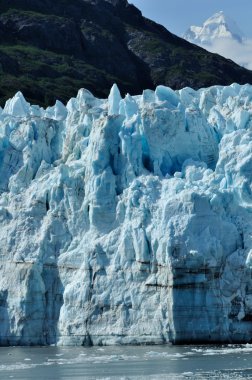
pixel 127 220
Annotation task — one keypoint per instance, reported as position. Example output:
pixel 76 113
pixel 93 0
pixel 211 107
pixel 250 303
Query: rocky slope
pixel 127 220
pixel 50 49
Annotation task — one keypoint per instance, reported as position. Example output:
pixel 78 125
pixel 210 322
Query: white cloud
pixel 240 53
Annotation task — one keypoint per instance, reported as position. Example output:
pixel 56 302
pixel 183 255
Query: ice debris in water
pixel 127 220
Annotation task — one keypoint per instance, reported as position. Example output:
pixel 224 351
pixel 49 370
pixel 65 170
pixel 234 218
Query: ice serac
pixel 127 220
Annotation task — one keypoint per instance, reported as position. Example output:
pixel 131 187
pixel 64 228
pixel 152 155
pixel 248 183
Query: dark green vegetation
pixel 51 48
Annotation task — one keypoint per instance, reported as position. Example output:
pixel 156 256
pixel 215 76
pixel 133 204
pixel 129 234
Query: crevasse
pixel 127 220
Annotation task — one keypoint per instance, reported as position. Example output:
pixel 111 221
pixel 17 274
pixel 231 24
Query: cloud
pixel 240 53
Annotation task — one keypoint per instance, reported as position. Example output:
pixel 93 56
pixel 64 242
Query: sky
pixel 178 15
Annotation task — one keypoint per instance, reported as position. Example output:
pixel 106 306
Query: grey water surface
pixel 144 362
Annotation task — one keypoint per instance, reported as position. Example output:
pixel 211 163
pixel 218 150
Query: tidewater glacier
pixel 127 220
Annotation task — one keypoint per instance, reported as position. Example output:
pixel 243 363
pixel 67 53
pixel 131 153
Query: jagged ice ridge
pixel 127 220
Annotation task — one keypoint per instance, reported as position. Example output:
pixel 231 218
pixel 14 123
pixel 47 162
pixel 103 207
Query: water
pixel 136 363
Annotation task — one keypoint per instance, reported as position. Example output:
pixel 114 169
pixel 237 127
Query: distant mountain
pixel 51 48
pixel 220 34
pixel 218 26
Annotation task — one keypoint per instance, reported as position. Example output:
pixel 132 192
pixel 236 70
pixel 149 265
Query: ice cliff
pixel 127 220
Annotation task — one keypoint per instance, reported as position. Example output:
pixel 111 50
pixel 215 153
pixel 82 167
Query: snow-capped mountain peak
pixel 218 26
pixel 220 34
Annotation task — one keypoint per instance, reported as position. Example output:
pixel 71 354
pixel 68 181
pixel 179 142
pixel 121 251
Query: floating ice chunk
pixel 17 106
pixel 114 100
pixel 187 373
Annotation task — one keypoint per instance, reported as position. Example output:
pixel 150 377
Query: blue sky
pixel 178 15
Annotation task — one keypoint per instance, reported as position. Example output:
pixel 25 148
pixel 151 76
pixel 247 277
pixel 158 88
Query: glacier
pixel 127 220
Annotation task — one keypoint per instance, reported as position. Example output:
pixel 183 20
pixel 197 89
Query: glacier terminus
pixel 127 220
